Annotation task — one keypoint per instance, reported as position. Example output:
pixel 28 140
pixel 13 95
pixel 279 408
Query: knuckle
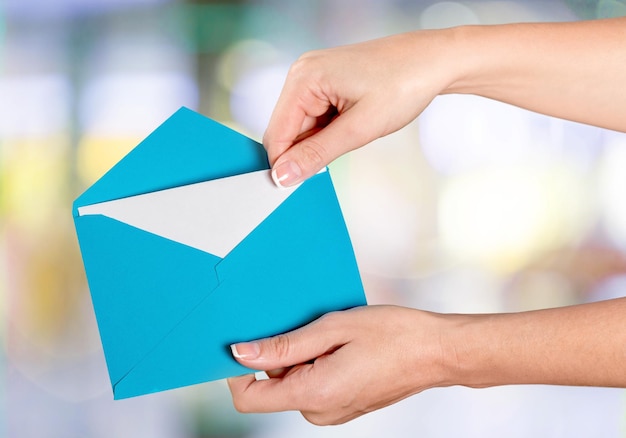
pixel 307 67
pixel 304 62
pixel 354 131
pixel 299 69
pixel 329 318
pixel 332 322
pixel 316 419
pixel 326 322
pixel 313 153
pixel 280 346
pixel 240 405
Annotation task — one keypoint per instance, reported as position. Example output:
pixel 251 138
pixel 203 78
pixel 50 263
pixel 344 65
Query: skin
pixel 334 101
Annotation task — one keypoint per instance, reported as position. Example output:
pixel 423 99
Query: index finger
pixel 271 395
pixel 296 112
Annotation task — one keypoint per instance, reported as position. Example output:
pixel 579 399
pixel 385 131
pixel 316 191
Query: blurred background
pixel 475 207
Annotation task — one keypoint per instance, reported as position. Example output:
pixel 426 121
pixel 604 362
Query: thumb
pixel 307 157
pixel 287 349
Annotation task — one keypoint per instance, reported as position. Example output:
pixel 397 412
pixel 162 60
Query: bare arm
pixel 573 70
pixel 583 345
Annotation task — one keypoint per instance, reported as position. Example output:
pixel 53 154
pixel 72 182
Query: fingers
pixel 286 350
pixel 313 123
pixel 307 157
pixel 289 360
pixel 370 367
pixel 296 112
pixel 271 395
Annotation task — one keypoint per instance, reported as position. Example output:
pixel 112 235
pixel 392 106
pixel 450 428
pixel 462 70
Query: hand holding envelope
pixel 189 247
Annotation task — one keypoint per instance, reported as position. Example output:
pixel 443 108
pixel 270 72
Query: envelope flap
pixel 139 293
pixel 312 217
pixel 187 148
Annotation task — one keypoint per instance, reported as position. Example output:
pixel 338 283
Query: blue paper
pixel 167 309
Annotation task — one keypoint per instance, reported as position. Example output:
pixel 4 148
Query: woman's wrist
pixel 460 59
pixel 474 350
pixel 487 350
pixel 479 59
pixel 454 350
pixel 458 346
pixel 484 350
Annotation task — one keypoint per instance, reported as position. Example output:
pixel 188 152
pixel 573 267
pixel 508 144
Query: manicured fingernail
pixel 246 350
pixel 286 174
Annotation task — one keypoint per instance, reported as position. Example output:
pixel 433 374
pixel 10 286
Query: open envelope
pixel 189 247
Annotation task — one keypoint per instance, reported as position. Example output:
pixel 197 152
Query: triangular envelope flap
pixel 307 267
pixel 297 265
pixel 141 285
pixel 323 255
pixel 185 149
pixel 213 216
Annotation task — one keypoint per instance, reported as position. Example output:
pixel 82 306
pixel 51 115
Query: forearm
pixel 582 345
pixel 573 70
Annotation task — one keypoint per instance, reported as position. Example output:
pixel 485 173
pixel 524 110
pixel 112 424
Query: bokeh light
pixel 447 14
pixel 243 57
pixel 612 183
pixel 110 104
pixel 34 105
pixel 254 96
pixel 507 216
pixel 465 133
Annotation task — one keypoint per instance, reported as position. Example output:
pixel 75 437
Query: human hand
pixel 340 99
pixel 344 364
pixel 350 363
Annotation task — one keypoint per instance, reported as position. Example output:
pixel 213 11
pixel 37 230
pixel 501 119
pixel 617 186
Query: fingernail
pixel 286 174
pixel 246 350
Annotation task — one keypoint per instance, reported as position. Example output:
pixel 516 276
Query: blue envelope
pixel 189 247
